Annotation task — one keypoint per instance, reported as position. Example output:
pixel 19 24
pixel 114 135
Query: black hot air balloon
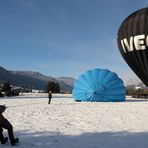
pixel 133 42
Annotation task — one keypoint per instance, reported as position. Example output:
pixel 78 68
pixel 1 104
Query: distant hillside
pixel 66 82
pixel 20 80
pixel 34 80
pixel 139 85
pixel 35 75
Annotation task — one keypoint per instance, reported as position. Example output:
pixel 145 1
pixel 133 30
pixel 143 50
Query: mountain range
pixel 35 80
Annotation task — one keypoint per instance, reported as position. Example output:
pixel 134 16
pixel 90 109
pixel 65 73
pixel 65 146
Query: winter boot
pixel 14 142
pixel 2 138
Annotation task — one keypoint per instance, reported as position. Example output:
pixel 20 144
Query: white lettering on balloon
pixel 138 42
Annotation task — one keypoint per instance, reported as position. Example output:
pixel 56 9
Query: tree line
pixel 54 87
pixel 6 88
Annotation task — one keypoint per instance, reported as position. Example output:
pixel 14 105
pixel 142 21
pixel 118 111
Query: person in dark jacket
pixel 49 97
pixel 5 124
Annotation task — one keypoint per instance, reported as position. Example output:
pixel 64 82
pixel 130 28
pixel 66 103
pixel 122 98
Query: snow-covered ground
pixel 69 124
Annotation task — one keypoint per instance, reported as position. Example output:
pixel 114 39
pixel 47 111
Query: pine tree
pixel 6 88
pixel 53 87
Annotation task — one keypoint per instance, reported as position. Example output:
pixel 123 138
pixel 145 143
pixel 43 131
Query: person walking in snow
pixel 5 124
pixel 49 97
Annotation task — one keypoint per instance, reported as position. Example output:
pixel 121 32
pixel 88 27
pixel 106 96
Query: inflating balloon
pixel 99 85
pixel 133 43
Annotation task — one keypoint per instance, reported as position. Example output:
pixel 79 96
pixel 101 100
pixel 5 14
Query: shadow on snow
pixel 88 140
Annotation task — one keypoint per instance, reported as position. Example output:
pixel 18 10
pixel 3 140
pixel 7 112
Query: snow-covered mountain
pixel 138 85
pixel 35 80
pixel 33 74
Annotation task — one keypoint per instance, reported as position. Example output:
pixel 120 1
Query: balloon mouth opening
pixel 100 90
pixel 94 92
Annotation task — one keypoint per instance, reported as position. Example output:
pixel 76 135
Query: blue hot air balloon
pixel 99 85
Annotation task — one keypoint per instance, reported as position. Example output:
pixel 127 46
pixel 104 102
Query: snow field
pixel 66 123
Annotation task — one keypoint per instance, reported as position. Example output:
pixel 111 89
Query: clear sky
pixel 64 37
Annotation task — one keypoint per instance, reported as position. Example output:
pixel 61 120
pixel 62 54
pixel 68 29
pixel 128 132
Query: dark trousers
pixel 6 125
pixel 49 100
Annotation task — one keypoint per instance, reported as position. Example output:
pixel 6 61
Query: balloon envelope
pixel 133 43
pixel 99 85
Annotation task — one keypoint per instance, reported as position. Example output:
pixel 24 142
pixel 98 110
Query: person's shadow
pixel 86 140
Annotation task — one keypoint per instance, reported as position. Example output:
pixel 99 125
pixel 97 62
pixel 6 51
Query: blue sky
pixel 64 37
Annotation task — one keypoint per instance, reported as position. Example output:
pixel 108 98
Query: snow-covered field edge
pixel 66 123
